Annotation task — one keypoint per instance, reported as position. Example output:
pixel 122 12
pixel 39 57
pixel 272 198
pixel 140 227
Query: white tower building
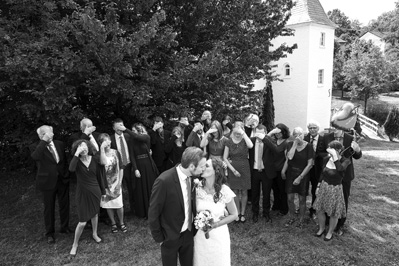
pixel 305 92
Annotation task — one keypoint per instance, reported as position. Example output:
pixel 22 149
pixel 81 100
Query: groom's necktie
pixel 190 214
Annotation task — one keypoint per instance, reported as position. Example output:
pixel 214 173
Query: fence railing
pixel 369 123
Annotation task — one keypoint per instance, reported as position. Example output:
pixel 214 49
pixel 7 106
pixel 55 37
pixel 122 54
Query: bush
pixel 378 111
pixel 392 123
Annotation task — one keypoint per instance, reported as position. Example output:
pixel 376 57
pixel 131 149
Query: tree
pixel 347 31
pixel 63 60
pixel 365 71
pixel 268 107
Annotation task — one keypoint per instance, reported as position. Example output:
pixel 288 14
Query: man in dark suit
pixel 262 173
pixel 348 142
pixel 120 142
pixel 159 138
pixel 87 132
pixel 317 142
pixel 171 212
pixel 52 179
pixel 185 126
pixel 196 135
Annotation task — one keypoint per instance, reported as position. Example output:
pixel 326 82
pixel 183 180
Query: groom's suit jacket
pixel 166 211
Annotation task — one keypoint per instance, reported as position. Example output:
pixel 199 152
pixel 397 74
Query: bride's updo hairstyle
pixel 220 179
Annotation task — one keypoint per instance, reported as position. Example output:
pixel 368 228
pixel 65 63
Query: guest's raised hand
pixel 122 127
pixel 177 134
pixel 260 135
pixel 105 144
pixel 48 137
pixel 198 127
pixel 89 130
pixel 157 125
pixel 79 150
pixel 211 130
pixel 332 152
pixel 275 131
pixel 297 140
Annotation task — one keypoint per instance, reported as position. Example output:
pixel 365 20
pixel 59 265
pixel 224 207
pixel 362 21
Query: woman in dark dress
pixel 89 189
pixel 296 168
pixel 330 196
pixel 175 147
pixel 239 173
pixel 278 144
pixel 146 172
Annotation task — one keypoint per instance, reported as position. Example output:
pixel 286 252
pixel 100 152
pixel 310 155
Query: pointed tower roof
pixel 306 11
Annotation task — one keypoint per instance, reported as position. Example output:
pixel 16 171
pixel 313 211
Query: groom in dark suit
pixel 52 179
pixel 171 212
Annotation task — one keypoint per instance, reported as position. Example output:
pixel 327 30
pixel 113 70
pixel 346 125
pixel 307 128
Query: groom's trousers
pixel 181 247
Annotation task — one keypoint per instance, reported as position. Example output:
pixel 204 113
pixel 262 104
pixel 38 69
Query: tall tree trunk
pixel 268 107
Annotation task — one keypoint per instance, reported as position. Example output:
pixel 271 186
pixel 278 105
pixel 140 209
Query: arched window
pixel 287 70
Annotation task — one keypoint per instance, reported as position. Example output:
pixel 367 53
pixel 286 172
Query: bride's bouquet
pixel 203 220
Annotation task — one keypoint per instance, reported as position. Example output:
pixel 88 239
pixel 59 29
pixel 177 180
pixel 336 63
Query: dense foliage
pixel 64 60
pixel 359 67
pixel 365 71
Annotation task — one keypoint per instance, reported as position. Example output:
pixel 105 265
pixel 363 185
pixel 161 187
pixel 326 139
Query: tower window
pixel 320 77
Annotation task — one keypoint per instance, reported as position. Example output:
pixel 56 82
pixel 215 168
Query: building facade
pixel 304 93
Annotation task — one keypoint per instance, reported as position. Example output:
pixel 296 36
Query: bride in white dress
pixel 214 195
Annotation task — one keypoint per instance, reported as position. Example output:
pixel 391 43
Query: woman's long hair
pixel 220 179
pixel 219 128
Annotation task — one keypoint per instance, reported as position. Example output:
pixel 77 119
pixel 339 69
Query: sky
pixel 362 10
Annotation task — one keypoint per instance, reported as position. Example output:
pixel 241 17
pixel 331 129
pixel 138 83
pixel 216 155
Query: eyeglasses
pixel 311 128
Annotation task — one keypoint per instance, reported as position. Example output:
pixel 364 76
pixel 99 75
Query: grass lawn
pixel 371 238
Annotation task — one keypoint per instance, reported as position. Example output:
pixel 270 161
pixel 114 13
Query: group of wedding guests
pixel 243 159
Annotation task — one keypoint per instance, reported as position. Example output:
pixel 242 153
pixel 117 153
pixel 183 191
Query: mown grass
pixel 371 238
